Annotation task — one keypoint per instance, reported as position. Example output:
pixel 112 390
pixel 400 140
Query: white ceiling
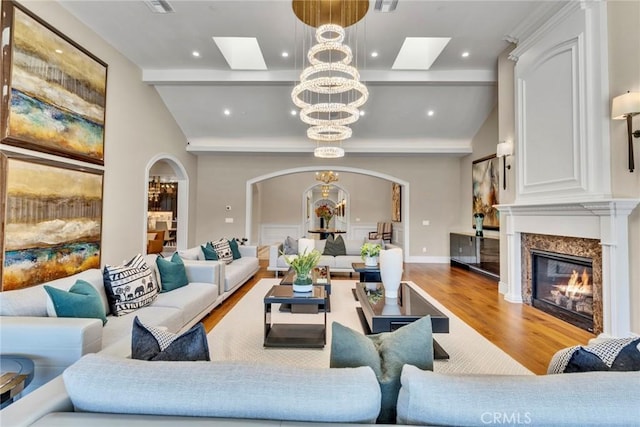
pixel 460 91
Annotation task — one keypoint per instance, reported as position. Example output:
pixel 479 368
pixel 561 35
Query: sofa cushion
pixel 235 252
pixel 191 300
pixel 81 300
pixel 154 344
pixel 209 253
pixel 119 327
pixel 334 246
pixel 32 301
pixel 385 353
pixel 346 261
pixel 290 246
pixel 129 286
pixel 429 398
pixel 620 354
pixel 193 254
pixel 353 246
pixel 239 271
pixel 172 273
pixel 223 250
pixel 222 389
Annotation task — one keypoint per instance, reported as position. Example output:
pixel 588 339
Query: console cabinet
pixel 481 254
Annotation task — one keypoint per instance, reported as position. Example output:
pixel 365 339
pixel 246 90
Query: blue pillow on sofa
pixel 150 343
pixel 81 300
pixel 210 254
pixel 173 275
pixel 235 251
pixel 620 354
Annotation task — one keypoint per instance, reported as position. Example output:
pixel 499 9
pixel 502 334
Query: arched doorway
pixel 173 168
pixel 405 202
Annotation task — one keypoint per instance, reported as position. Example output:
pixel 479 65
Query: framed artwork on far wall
pixel 54 91
pixel 52 221
pixel 396 202
pixel 485 187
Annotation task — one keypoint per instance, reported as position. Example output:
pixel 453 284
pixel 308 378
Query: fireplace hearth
pixel 562 285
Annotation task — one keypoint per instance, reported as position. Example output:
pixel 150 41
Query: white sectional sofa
pixel 54 343
pixel 230 276
pixel 103 391
pixel 336 264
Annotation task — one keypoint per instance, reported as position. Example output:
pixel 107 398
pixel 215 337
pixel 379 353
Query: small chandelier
pixel 327 177
pixel 325 190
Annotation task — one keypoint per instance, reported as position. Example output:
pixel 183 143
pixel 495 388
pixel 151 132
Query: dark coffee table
pixel 378 317
pixel 367 273
pixel 301 335
pixel 319 276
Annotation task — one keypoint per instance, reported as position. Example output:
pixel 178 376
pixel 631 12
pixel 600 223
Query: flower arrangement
pixel 325 212
pixel 303 264
pixel 370 250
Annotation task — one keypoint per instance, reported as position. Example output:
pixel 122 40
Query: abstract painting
pixel 484 176
pixel 396 202
pixel 52 223
pixel 55 90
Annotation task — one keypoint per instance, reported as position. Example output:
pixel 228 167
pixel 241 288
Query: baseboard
pixel 427 260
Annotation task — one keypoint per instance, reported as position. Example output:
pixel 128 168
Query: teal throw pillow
pixel 235 251
pixel 210 254
pixel 172 273
pixel 334 247
pixel 81 300
pixel 385 353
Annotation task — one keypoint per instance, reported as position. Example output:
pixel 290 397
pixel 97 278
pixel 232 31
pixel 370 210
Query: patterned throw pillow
pixel 149 343
pixel 223 250
pixel 620 354
pixel 129 286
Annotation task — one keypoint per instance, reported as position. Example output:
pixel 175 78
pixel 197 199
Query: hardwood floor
pixel 528 335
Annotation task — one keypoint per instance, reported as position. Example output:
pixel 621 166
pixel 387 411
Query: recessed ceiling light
pixel 195 54
pixel 465 54
pixel 58 50
pixel 362 112
pixel 430 113
pixel 227 112
pixel 285 54
pixel 374 54
pixel 294 112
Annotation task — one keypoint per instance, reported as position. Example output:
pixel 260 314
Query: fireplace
pixel 562 285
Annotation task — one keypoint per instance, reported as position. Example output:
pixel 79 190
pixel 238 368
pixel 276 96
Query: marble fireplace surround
pixel 603 220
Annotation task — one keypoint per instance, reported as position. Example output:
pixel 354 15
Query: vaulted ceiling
pixel 460 91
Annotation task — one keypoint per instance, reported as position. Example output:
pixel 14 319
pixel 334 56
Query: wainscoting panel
pixel 271 233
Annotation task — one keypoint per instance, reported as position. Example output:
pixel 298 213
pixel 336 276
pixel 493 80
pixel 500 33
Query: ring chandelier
pixel 329 119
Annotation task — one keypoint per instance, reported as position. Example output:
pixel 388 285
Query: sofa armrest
pixel 51 397
pixel 203 271
pixel 248 250
pixel 274 253
pixel 53 343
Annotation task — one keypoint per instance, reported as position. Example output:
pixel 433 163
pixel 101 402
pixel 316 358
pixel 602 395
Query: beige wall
pixel 223 179
pixel 624 75
pixel 138 127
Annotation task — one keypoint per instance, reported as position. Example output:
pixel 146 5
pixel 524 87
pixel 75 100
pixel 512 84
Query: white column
pixel 514 265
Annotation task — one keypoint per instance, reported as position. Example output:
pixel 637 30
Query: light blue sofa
pixel 100 390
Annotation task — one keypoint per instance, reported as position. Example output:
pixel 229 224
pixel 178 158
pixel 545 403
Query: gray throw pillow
pixel 385 353
pixel 334 247
pixel 618 354
pixel 290 246
pixel 149 343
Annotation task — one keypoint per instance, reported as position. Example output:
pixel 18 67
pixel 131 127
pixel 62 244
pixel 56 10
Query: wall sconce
pixel 504 149
pixel 625 107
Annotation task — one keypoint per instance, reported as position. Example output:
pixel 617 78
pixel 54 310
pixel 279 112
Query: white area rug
pixel 239 336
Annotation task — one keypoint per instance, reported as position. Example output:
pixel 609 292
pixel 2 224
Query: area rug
pixel 239 335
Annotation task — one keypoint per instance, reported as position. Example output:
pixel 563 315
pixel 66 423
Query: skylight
pixel 419 53
pixel 241 53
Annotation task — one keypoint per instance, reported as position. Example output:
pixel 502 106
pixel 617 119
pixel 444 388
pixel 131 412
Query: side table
pixel 16 373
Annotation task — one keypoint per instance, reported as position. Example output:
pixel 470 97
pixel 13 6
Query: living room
pixel 140 130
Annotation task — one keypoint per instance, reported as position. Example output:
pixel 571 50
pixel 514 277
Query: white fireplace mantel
pixel 604 220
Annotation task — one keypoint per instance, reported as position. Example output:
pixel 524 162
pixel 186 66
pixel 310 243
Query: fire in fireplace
pixel 562 285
